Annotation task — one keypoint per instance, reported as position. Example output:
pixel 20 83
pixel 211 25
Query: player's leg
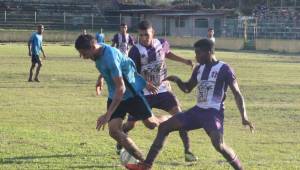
pixel 219 144
pixel 168 102
pixel 129 125
pixel 33 62
pixel 116 132
pixel 214 128
pixel 164 129
pixel 36 78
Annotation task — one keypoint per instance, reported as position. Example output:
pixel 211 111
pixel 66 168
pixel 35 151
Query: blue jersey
pixel 112 63
pixel 100 37
pixel 36 41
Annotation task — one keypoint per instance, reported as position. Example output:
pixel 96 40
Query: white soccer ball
pixel 126 158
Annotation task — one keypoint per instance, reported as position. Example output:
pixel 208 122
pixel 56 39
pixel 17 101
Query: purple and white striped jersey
pixel 123 41
pixel 150 62
pixel 212 83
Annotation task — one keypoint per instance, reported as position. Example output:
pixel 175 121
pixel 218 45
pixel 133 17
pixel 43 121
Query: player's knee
pixel 163 128
pixel 151 125
pixel 114 133
pixel 219 146
pixel 129 125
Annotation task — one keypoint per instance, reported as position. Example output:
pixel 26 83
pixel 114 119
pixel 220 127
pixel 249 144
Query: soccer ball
pixel 126 158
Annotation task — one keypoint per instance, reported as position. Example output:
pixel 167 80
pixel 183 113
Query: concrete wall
pixel 290 46
pixel 221 43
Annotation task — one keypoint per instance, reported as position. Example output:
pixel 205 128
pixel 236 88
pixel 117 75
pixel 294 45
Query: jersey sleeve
pixel 230 76
pixel 165 45
pixel 31 38
pixel 134 54
pixel 113 65
pixel 115 39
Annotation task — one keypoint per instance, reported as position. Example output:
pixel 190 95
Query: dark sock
pixel 186 141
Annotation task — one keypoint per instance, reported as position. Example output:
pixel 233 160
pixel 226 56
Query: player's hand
pixel 29 53
pixel 99 86
pixel 246 122
pixel 151 88
pixel 190 63
pixel 101 122
pixel 171 78
pixel 44 57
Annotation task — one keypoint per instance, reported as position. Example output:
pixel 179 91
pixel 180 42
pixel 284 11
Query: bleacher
pixel 55 14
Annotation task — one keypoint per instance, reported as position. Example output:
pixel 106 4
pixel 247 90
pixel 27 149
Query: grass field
pixel 51 125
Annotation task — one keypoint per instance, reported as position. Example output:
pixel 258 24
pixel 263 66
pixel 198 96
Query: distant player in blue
pixel 212 79
pixel 100 37
pixel 35 48
pixel 125 88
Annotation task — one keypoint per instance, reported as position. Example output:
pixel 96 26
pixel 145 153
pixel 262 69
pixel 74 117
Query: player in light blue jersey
pixel 100 37
pixel 35 44
pixel 125 90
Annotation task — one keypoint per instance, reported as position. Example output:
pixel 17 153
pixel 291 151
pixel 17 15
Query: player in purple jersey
pixel 122 40
pixel 212 78
pixel 149 56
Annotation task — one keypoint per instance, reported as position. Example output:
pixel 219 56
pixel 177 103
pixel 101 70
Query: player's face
pixel 211 33
pixel 40 29
pixel 202 56
pixel 86 54
pixel 123 29
pixel 146 36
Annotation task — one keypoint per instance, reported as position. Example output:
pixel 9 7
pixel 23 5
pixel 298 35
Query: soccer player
pixel 212 78
pixel 35 47
pixel 100 37
pixel 149 56
pixel 125 90
pixel 122 40
pixel 210 35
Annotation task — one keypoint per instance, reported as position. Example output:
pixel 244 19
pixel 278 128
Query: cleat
pixel 190 157
pixel 118 148
pixel 139 166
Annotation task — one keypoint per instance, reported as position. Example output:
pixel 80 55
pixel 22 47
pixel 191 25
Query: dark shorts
pixel 163 101
pixel 137 107
pixel 35 59
pixel 196 118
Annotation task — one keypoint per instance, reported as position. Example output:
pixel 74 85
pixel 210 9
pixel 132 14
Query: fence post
pixel 120 18
pixel 165 27
pixel 5 16
pixel 35 17
pixel 92 22
pixel 64 27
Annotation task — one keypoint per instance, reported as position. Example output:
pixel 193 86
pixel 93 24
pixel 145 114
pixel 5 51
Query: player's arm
pixel 239 99
pixel 186 87
pixel 116 100
pixel 177 58
pixel 29 46
pixel 99 84
pixel 43 52
pixel 114 40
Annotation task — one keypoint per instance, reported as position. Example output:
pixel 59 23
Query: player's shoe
pixel 118 148
pixel 36 80
pixel 138 166
pixel 190 157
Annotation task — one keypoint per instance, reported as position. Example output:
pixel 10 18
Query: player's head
pixel 40 29
pixel 123 28
pixel 210 32
pixel 204 50
pixel 146 32
pixel 84 32
pixel 86 46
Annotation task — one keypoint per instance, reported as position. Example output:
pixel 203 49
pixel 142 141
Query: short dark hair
pixel 84 42
pixel 210 29
pixel 123 24
pixel 205 44
pixel 144 25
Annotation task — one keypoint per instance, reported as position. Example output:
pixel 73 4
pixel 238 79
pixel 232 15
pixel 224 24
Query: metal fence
pixel 243 27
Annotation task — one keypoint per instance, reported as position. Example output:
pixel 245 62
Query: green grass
pixel 51 125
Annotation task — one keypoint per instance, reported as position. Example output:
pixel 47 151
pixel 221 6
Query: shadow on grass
pixel 28 159
pixel 95 167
